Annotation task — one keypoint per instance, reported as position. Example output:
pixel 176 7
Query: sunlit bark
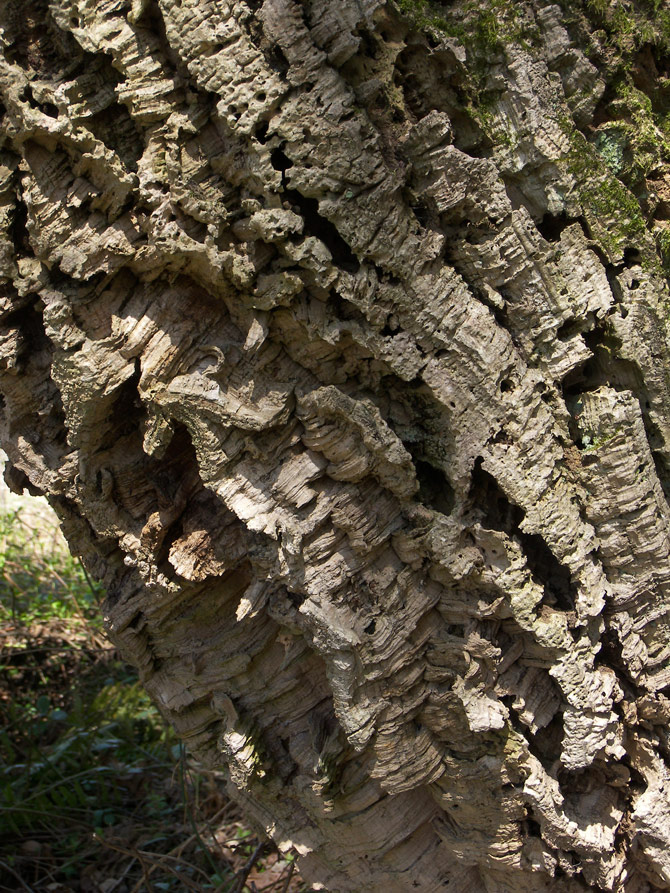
pixel 336 340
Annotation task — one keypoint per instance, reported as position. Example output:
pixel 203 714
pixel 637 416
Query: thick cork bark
pixel 335 332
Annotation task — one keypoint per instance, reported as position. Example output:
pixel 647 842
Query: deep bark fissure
pixel 500 514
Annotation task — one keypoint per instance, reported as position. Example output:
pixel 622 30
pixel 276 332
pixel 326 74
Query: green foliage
pixel 62 762
pixel 481 25
pixel 627 25
pixel 591 442
pixel 618 198
pixel 599 7
pixel 39 579
pixel 634 138
pixel 610 144
pixel 616 210
pixel 664 241
pixel 425 14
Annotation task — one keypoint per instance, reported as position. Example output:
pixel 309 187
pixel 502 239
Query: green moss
pixel 610 144
pixel 487 28
pixel 644 133
pixel 623 26
pixel 415 9
pixel 663 242
pixel 635 146
pixel 616 213
pixel 634 143
pixel 482 110
pixel 424 14
pixel 480 26
pixel 627 25
pixel 592 441
pixel 483 27
pixel 611 210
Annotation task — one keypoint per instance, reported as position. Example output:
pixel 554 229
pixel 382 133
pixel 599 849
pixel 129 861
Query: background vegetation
pixel 96 793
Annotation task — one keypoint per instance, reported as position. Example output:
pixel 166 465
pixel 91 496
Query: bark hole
pixel 431 85
pixel 275 58
pixel 315 223
pixel 273 54
pixel 426 216
pixel 533 828
pixel 179 464
pixel 545 744
pixel 499 513
pixel 435 489
pixel 280 161
pixel 662 472
pixel 548 570
pixel 345 310
pixel 115 128
pixel 46 419
pixel 29 323
pixel 606 368
pixel 153 21
pixel 319 226
pixel 127 411
pixel 296 598
pixel 54 424
pixel 570 328
pixel 261 132
pixel 19 229
pixel 552 225
pixel 47 108
pixel 489 501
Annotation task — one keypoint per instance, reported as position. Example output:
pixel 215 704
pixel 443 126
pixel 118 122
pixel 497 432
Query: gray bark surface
pixel 336 334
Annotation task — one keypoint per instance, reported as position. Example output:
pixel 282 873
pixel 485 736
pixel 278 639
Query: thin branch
pixel 246 869
pixel 288 878
pixel 18 877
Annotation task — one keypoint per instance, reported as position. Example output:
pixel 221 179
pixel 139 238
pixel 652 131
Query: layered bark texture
pixel 336 333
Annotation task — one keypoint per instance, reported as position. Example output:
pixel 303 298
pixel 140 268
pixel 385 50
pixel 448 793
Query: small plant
pixel 598 6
